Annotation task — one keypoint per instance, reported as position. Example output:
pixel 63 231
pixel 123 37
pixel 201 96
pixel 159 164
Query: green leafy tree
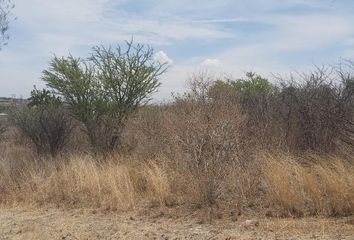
pixel 254 84
pixel 246 89
pixel 104 89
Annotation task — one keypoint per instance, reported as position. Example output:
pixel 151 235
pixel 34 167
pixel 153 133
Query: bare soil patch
pixel 26 223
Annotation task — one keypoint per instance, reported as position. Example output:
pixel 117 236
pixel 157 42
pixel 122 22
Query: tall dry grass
pixel 318 186
pixel 84 182
pixel 280 185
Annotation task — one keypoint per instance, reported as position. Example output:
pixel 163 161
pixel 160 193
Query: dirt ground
pixel 19 223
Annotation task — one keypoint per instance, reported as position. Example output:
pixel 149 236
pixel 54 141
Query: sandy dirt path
pixel 19 223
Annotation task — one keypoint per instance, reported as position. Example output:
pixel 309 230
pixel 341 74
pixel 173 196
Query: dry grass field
pixel 275 185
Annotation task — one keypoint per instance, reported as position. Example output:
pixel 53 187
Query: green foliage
pixel 254 84
pixel 42 98
pixel 250 92
pixel 220 87
pixel 72 80
pixel 102 90
pixel 127 77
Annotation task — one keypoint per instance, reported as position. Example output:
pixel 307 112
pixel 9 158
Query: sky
pixel 223 37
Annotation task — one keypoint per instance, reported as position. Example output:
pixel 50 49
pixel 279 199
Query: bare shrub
pixel 317 112
pixel 208 135
pixel 312 111
pixel 144 135
pixel 199 86
pixel 257 99
pixel 48 127
pixel 197 136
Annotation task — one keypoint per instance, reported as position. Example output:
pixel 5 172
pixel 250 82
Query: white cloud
pixel 100 21
pixel 162 57
pixel 211 62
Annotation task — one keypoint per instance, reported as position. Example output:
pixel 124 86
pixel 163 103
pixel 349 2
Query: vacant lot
pixel 18 223
pixel 244 159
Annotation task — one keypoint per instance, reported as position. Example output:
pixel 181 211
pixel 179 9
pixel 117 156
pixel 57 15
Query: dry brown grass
pixel 279 184
pixel 83 182
pixel 320 186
